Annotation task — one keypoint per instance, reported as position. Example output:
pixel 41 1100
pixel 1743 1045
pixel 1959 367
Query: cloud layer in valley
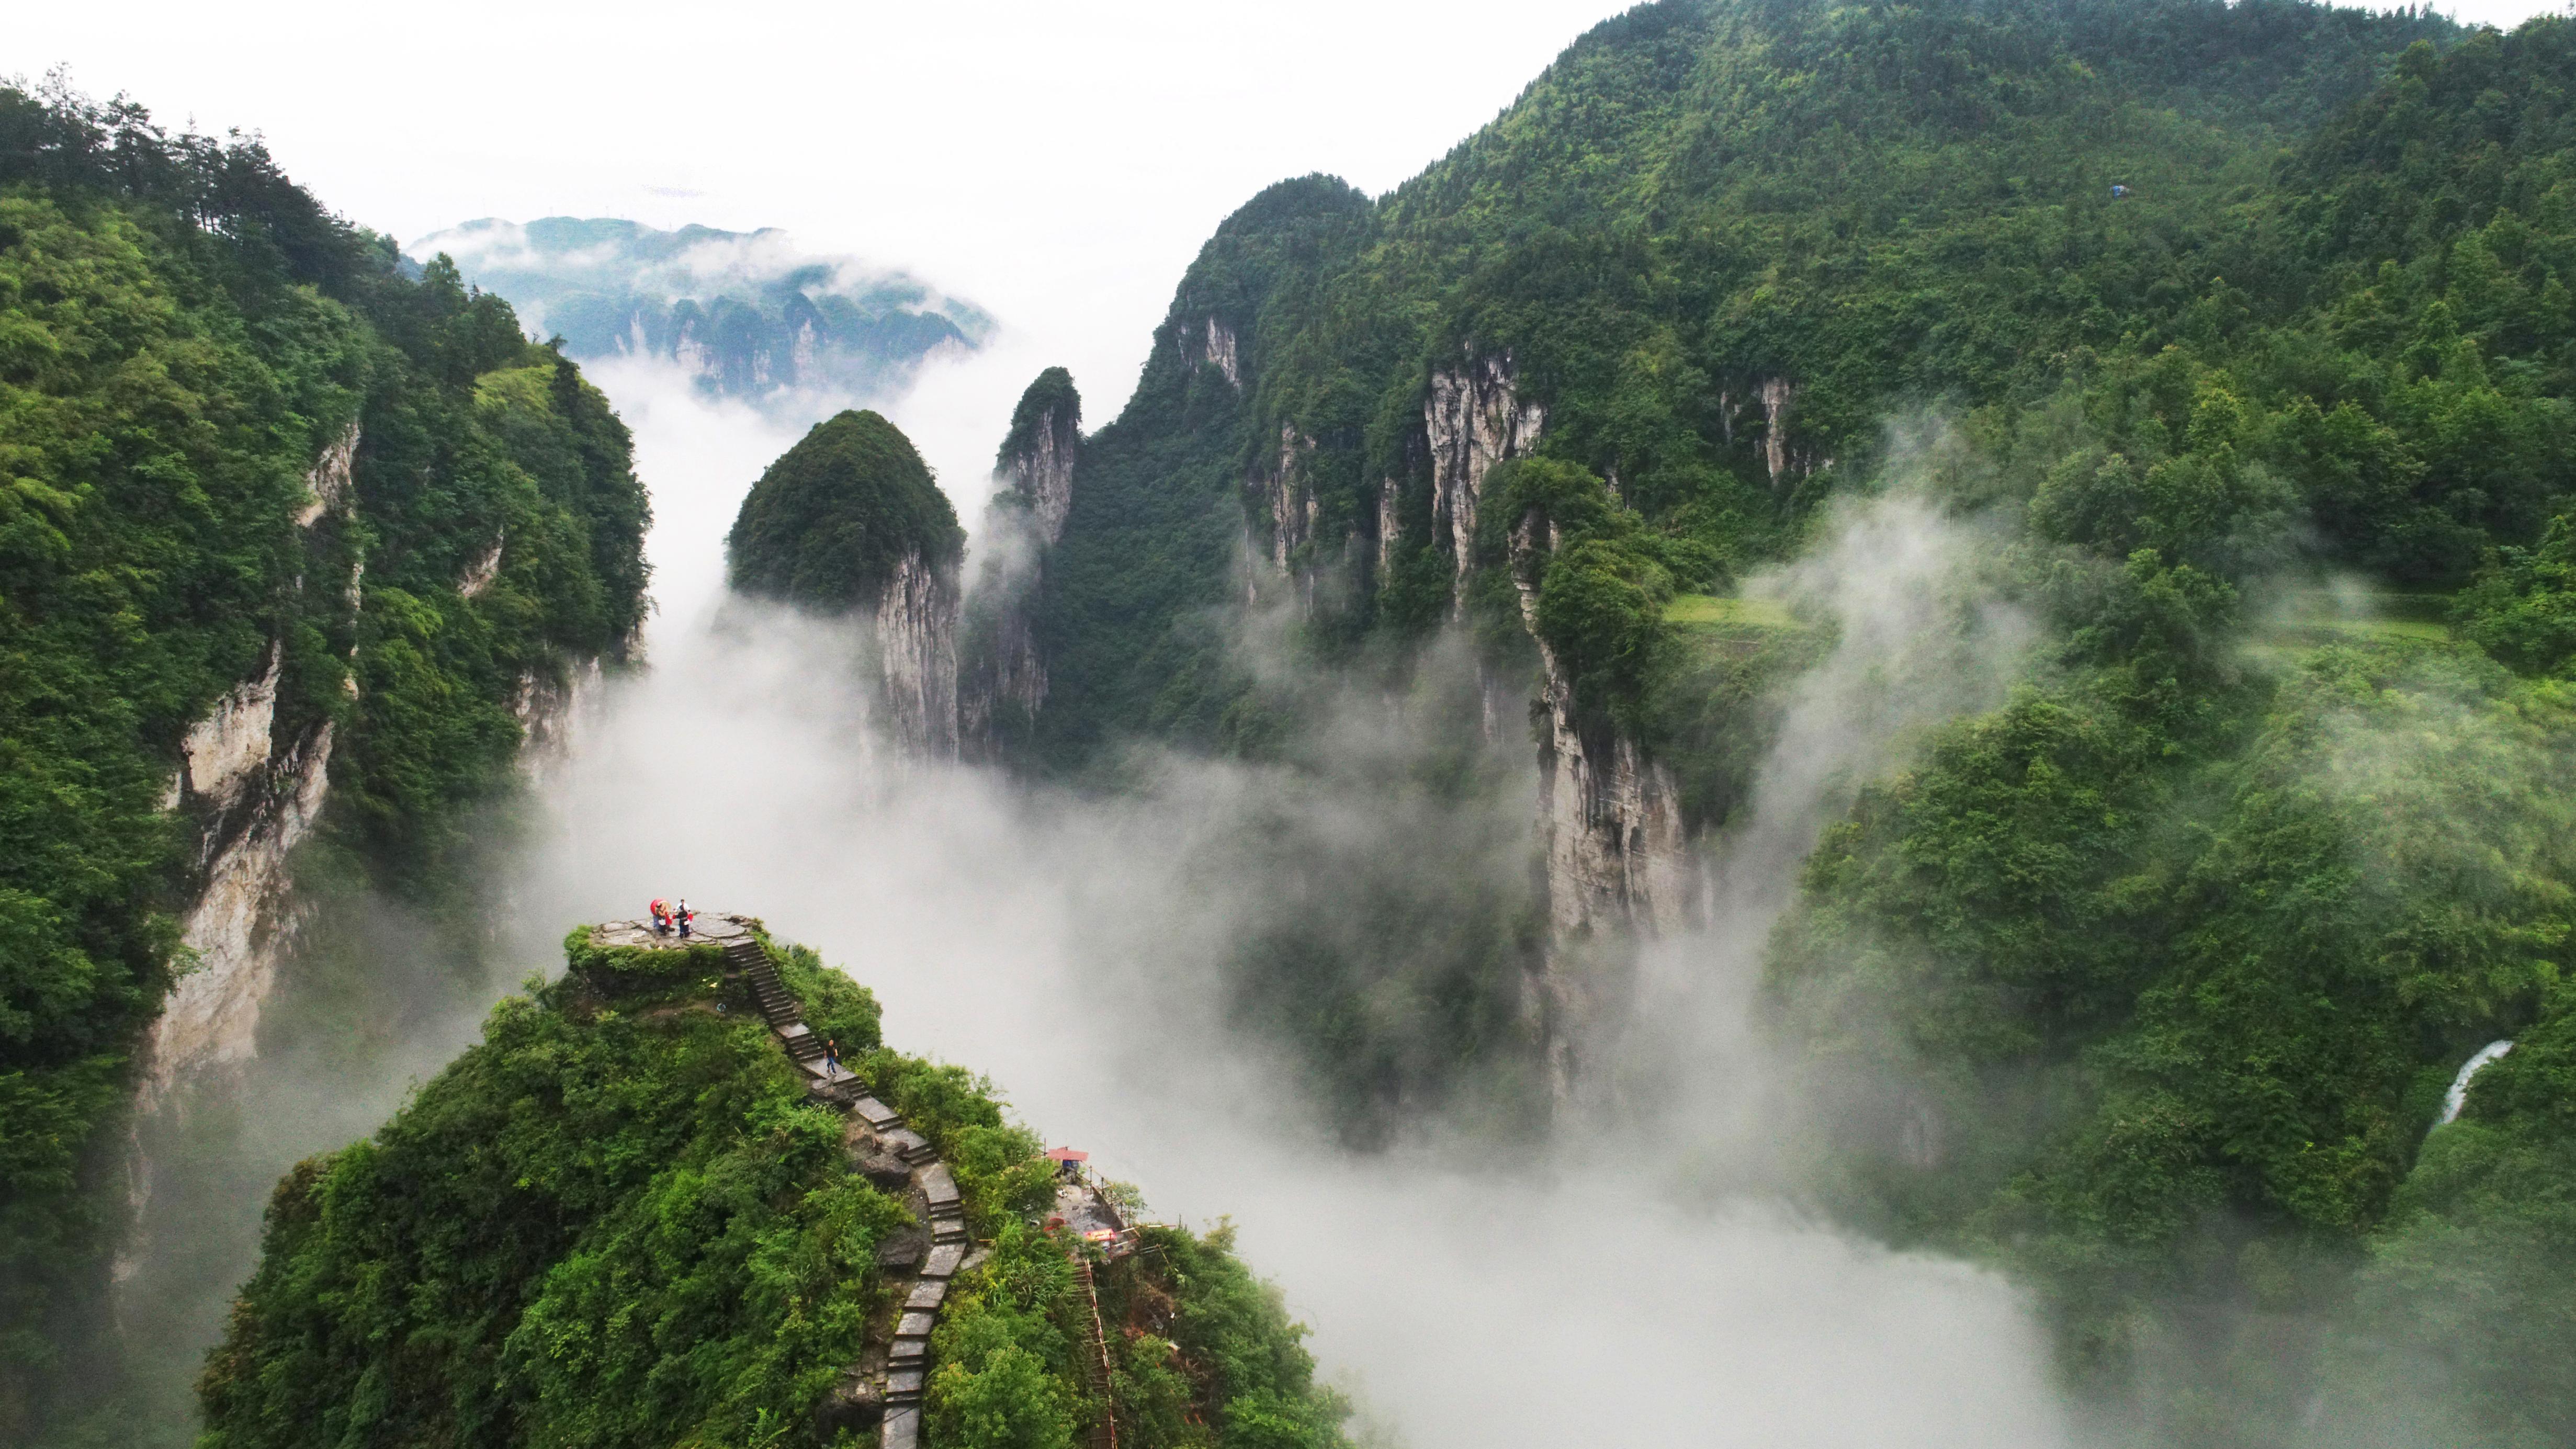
pixel 1074 949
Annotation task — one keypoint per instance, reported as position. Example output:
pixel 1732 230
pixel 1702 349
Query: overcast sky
pixel 1057 162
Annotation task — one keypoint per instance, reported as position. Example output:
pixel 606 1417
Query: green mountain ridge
pixel 186 633
pixel 2145 985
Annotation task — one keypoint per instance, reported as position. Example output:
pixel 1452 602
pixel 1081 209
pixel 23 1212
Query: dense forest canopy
pixel 2198 308
pixel 183 334
pixel 621 1220
pixel 2240 333
pixel 829 523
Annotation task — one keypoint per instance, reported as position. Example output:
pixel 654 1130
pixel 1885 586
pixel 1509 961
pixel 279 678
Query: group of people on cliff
pixel 668 918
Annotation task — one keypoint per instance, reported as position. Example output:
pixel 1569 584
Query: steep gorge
pixel 2097 333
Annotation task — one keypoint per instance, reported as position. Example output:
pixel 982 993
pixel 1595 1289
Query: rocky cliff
pixel 916 641
pixel 1610 829
pixel 1474 418
pixel 253 782
pixel 1005 678
pixel 849 522
pixel 254 789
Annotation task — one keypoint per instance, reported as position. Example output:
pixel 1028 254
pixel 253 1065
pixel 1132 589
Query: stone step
pixel 876 1114
pixel 916 1324
pixel 943 1260
pixel 938 1186
pixel 902 1428
pixel 927 1296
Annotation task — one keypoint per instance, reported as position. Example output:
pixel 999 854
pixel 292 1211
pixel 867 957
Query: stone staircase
pixel 908 1360
pixel 1095 1359
pixel 749 960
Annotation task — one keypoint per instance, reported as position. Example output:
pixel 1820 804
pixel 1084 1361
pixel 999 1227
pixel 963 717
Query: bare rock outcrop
pixel 1214 346
pixel 254 798
pixel 915 620
pixel 1004 669
pixel 1611 833
pixel 1285 495
pixel 1474 418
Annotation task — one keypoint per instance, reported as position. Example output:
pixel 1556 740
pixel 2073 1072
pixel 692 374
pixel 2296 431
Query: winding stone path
pixel 898 1386
pixel 907 1360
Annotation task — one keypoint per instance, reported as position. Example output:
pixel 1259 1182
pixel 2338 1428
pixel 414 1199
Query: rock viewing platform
pixel 713 926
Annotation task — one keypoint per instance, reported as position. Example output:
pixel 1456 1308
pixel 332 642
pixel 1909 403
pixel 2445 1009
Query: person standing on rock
pixel 683 915
pixel 661 917
pixel 831 1056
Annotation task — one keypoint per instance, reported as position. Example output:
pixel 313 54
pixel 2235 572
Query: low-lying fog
pixel 1466 1293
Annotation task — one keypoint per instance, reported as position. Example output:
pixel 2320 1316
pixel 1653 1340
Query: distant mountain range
pixel 747 312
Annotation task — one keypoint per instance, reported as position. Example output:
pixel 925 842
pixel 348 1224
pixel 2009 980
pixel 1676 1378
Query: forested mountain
pixel 624 1219
pixel 281 527
pixel 2242 334
pixel 746 313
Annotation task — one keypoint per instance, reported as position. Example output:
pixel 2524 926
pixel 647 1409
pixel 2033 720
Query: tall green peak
pixel 1051 403
pixel 834 517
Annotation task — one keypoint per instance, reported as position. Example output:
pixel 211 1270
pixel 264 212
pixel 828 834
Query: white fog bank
pixel 1070 950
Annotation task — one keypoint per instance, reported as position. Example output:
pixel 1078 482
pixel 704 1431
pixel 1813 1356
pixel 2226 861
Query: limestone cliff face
pixel 550 709
pixel 255 785
pixel 1003 671
pixel 1777 399
pixel 255 790
pixel 915 621
pixel 1282 493
pixel 244 916
pixel 1040 472
pixel 1610 829
pixel 1474 417
pixel 1213 345
pixel 849 522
